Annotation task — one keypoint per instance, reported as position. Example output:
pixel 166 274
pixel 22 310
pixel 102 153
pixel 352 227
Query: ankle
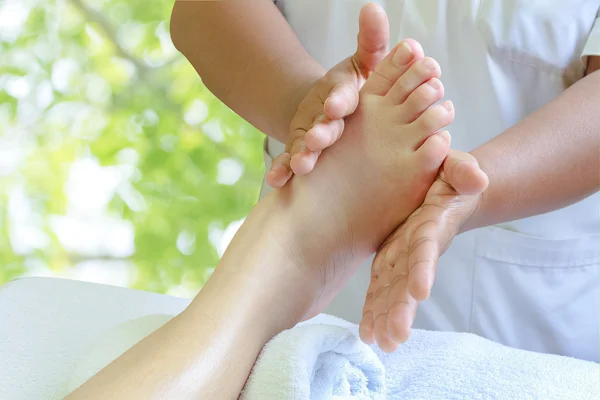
pixel 273 261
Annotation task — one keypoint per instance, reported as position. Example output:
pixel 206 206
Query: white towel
pixel 321 359
pixel 307 362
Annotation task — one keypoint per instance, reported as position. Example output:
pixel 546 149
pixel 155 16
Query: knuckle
pixel 297 145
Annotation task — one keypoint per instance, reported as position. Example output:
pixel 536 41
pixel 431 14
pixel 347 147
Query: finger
pixel 342 101
pixel 461 170
pixel 403 308
pixel 297 144
pixel 367 324
pixel 400 304
pixel 384 341
pixel 373 36
pixel 304 162
pixel 366 327
pixel 280 171
pixel 422 259
pixel 384 270
pixel 324 134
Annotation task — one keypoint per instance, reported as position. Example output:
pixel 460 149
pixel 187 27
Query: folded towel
pixel 322 359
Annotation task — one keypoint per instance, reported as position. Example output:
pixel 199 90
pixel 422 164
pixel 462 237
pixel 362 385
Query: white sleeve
pixel 592 46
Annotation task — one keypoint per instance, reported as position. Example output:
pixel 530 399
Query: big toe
pixel 393 66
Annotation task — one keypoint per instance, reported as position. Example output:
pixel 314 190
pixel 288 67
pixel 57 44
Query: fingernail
pixel 403 54
pixel 435 83
pixel 429 63
pixel 448 106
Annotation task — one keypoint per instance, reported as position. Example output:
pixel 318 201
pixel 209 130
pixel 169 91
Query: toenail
pixel 429 63
pixel 448 106
pixel 403 54
pixel 435 83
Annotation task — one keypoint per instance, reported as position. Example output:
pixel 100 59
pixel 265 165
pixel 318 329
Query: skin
pixel 273 72
pixel 520 189
pixel 296 254
pixel 546 162
pixel 319 121
pixel 276 85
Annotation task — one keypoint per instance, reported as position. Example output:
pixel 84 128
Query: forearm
pixel 208 351
pixel 547 161
pixel 248 56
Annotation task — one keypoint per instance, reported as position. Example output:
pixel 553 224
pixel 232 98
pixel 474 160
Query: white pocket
pixel 538 294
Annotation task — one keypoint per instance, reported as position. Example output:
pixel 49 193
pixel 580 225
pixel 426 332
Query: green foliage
pixel 123 98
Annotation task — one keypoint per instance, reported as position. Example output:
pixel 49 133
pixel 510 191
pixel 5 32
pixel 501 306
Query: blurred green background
pixel 116 164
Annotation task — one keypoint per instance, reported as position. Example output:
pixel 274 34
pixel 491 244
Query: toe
pixel 420 72
pixel 431 121
pixel 393 66
pixel 433 151
pixel 421 99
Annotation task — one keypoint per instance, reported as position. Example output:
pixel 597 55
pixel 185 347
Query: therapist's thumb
pixel 373 37
pixel 462 171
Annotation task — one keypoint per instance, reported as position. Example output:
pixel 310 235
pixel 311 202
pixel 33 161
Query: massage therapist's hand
pixel 404 267
pixel 319 121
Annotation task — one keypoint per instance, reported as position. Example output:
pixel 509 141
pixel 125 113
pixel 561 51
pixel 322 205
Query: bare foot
pixel 379 171
pixel 319 120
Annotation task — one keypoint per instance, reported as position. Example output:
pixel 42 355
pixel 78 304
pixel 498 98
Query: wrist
pixel 264 278
pixel 477 217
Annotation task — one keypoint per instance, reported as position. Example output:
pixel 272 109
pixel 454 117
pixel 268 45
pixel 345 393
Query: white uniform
pixel 532 283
